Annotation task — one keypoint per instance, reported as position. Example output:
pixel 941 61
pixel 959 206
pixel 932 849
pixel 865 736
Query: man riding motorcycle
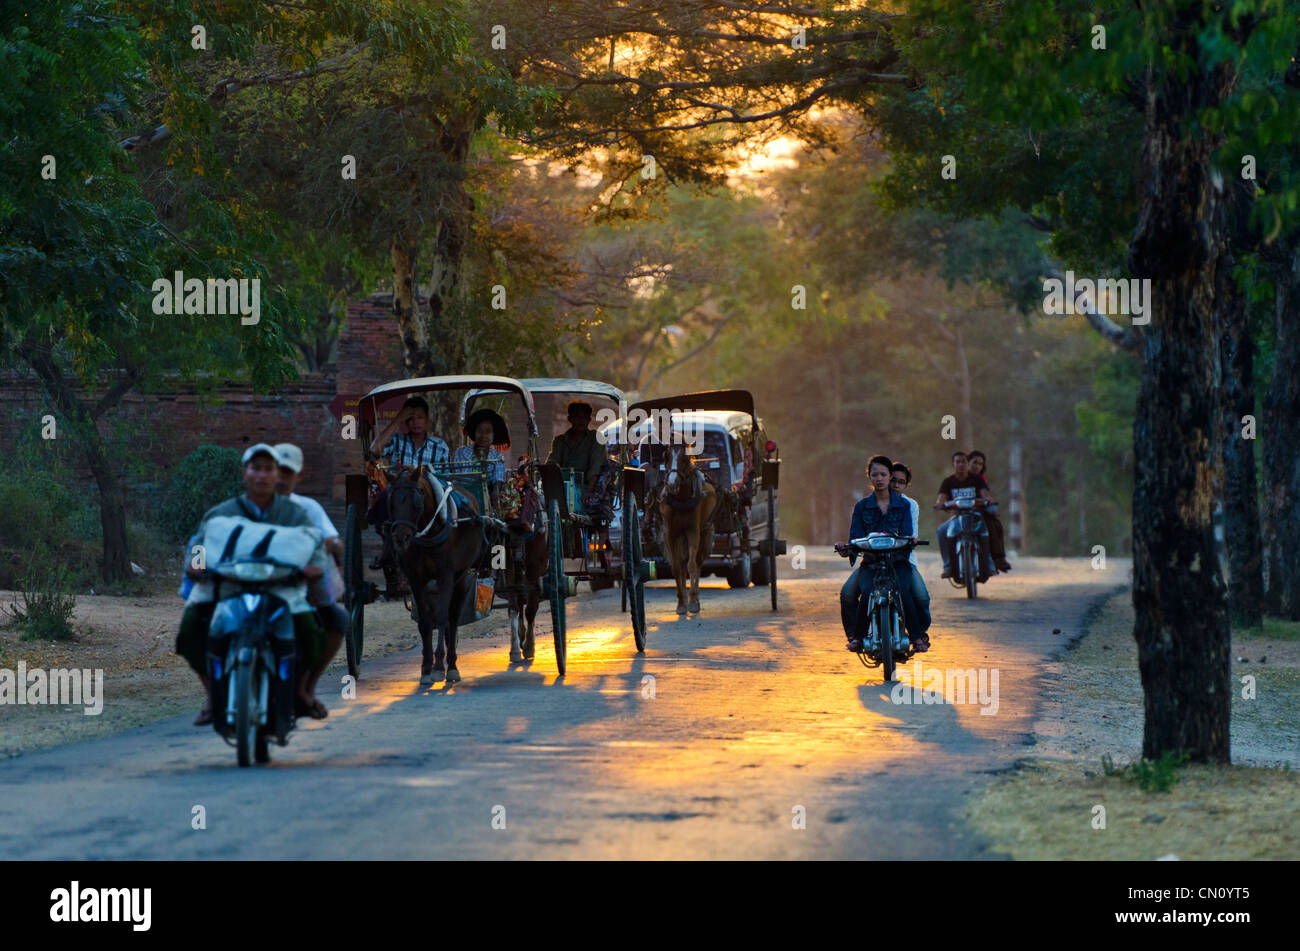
pixel 882 511
pixel 259 503
pixel 962 484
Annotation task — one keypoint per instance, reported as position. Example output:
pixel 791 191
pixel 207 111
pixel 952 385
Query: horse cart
pixel 731 447
pixel 470 479
pixel 584 549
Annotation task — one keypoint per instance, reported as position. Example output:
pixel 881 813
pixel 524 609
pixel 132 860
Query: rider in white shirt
pixel 900 477
pixel 332 617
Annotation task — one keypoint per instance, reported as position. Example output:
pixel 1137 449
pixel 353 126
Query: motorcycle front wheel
pixel 245 722
pixel 883 620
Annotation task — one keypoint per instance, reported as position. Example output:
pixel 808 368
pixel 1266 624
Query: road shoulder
pixel 1063 802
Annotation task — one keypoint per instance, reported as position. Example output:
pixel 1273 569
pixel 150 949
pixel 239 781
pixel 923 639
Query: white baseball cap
pixel 257 450
pixel 289 456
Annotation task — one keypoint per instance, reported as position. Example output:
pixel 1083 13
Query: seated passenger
pixel 332 617
pixel 488 430
pixel 997 536
pixel 578 447
pixel 414 448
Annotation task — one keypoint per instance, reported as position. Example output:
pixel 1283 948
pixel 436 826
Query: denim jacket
pixel 868 518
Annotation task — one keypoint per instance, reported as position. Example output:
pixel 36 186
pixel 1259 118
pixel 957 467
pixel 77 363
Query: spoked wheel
pixel 771 543
pixel 355 594
pixel 882 618
pixel 632 582
pixel 245 722
pixel 559 584
pixel 968 570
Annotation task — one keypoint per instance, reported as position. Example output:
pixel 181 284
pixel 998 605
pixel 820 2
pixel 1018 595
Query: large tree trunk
pixel 403 250
pixel 1241 536
pixel 1181 627
pixel 1280 431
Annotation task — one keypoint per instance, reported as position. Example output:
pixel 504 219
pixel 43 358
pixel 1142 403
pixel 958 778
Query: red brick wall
pixel 173 423
pixel 169 425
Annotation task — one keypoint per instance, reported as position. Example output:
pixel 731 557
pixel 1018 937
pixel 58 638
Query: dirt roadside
pixel 132 639
pixel 1047 807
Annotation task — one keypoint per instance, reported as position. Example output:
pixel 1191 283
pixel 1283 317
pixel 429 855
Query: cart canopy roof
pixel 551 397
pixel 738 401
pixel 403 388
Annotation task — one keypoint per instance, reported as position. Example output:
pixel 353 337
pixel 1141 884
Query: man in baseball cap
pixel 331 617
pixel 260 504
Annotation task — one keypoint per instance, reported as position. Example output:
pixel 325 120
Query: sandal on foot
pixel 204 718
pixel 316 710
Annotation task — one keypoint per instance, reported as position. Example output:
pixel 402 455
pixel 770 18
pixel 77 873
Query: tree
pixel 80 247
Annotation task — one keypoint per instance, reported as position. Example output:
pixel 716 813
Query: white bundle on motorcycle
pixel 230 539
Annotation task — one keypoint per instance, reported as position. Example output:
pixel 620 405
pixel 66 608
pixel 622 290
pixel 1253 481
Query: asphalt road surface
pixel 757 736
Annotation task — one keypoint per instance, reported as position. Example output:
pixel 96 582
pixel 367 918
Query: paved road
pixel 756 719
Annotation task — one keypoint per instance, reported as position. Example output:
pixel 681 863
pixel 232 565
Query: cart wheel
pixel 771 543
pixel 355 593
pixel 632 581
pixel 559 583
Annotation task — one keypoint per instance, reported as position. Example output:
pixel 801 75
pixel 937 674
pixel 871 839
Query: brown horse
pixel 526 562
pixel 438 539
pixel 686 506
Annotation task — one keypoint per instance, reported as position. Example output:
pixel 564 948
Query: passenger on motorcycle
pixel 332 617
pixel 900 477
pixel 259 503
pixel 882 511
pixel 997 536
pixel 962 485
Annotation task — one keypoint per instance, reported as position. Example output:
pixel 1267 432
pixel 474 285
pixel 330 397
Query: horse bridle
pixel 420 534
pixel 697 492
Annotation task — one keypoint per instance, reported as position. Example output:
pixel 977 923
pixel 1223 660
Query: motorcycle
pixel 251 646
pixel 886 642
pixel 966 543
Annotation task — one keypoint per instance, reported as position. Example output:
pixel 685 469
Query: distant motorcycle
pixel 886 642
pixel 966 543
pixel 251 648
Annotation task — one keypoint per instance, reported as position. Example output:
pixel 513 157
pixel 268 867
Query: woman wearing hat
pixel 489 434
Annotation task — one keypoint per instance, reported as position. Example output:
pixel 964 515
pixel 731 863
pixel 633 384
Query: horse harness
pixel 696 496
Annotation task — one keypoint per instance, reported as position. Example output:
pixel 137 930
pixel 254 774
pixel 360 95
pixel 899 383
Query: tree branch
pixel 227 87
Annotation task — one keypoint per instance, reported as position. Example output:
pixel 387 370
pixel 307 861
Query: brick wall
pixel 166 426
pixel 170 424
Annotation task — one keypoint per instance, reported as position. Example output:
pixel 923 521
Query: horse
pixel 529 558
pixel 687 504
pixel 436 538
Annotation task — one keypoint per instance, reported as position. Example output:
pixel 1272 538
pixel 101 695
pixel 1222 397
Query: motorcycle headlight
pixel 880 542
